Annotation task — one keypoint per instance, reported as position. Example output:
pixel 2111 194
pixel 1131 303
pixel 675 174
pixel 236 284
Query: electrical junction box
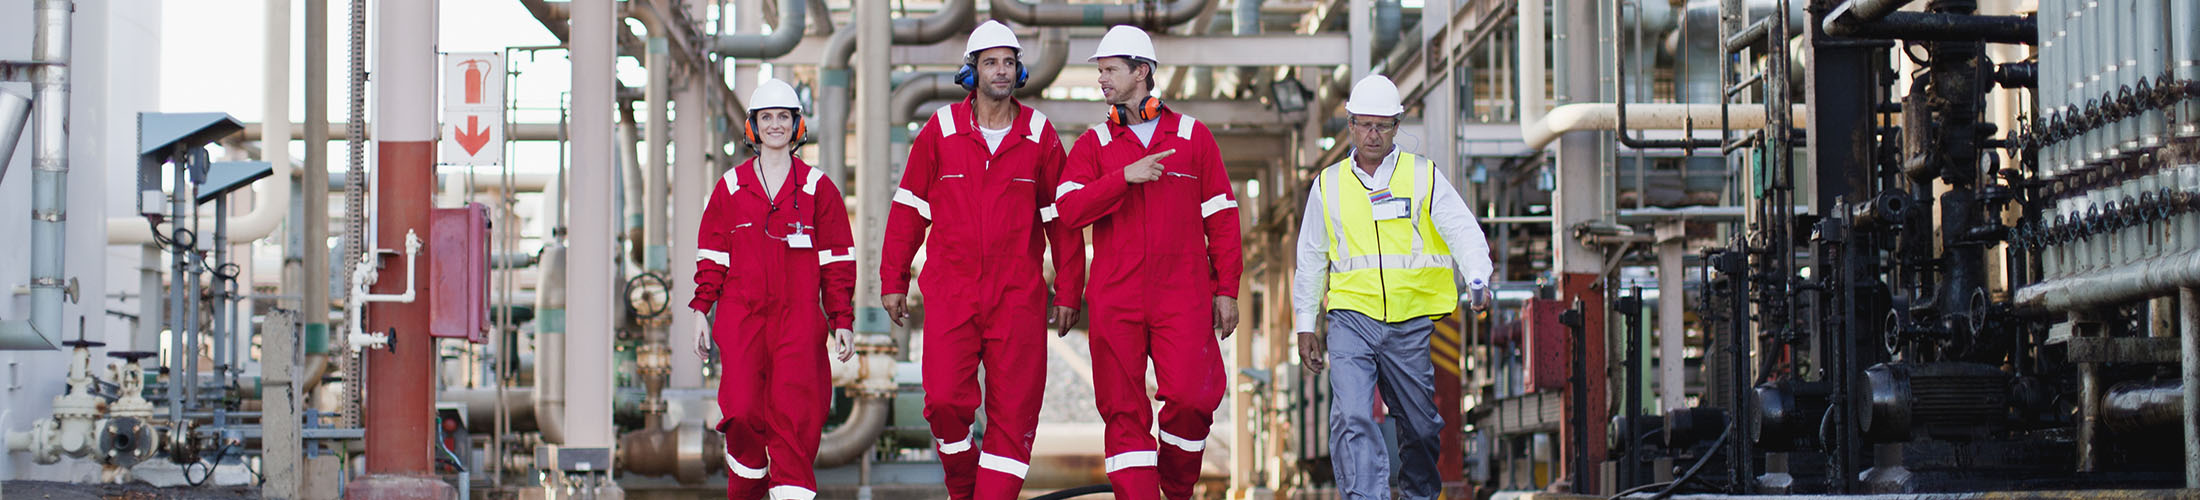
pixel 458 273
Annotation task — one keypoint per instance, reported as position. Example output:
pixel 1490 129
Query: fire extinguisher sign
pixel 473 109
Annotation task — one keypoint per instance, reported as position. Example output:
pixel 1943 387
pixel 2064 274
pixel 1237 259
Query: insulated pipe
pixel 549 393
pixel 1149 15
pixel 1605 116
pixel 15 114
pixel 919 89
pixel 49 181
pixel 1052 56
pixel 656 137
pixel 834 76
pixel 784 36
pixel 1533 44
pixel 855 436
pixel 630 177
pixel 2128 282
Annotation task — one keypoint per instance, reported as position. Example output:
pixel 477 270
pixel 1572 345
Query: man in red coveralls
pixel 981 177
pixel 1164 274
pixel 772 257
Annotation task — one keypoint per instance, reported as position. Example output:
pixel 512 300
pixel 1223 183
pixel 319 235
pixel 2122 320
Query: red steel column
pixel 400 388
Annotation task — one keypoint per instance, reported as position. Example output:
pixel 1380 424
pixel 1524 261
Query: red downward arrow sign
pixel 472 136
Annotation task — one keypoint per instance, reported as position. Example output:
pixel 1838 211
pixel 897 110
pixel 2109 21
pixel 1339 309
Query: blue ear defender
pixel 967 77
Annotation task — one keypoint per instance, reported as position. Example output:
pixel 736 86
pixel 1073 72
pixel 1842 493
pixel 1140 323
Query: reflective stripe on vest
pixel 1391 270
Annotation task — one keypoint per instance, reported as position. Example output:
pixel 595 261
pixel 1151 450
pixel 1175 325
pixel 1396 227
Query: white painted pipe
pixel 1605 116
pixel 1533 42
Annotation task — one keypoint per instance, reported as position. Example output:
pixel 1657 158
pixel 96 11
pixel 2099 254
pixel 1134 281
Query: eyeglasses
pixel 1376 127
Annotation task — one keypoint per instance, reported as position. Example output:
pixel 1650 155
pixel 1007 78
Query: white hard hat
pixel 989 35
pixel 1125 41
pixel 1374 96
pixel 774 94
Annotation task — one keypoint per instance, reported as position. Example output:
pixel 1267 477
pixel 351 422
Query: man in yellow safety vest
pixel 1389 243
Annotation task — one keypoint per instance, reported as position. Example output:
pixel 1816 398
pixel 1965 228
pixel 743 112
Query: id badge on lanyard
pixel 801 236
pixel 1393 209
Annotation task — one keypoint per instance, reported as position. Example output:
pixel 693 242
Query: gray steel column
pixel 593 230
pixel 1672 306
pixel 1360 24
pixel 874 176
pixel 1580 154
pixel 315 289
pixel 280 444
pixel 693 181
pixel 654 162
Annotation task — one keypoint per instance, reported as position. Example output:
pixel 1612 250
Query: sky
pixel 214 52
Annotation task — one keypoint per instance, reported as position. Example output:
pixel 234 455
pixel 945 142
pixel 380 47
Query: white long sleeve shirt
pixel 1454 220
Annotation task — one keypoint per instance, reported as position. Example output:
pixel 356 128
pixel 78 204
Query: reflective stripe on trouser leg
pixel 1015 340
pixel 1187 361
pixel 951 401
pixel 1118 343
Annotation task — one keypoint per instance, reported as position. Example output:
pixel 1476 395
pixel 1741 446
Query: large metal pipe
pixel 15 114
pixel 1917 26
pixel 1052 56
pixel 2132 281
pixel 834 77
pixel 784 36
pixel 2143 410
pixel 49 181
pixel 848 442
pixel 549 393
pixel 1149 15
pixel 1601 116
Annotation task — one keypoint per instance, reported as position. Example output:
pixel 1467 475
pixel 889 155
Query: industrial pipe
pixel 49 182
pixel 2131 281
pixel 549 400
pixel 1605 116
pixel 784 36
pixel 834 77
pixel 1149 15
pixel 2143 410
pixel 1052 56
pixel 1917 26
pixel 855 436
pixel 15 113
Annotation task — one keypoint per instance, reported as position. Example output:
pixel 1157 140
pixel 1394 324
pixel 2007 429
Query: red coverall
pixel 985 297
pixel 1163 250
pixel 772 320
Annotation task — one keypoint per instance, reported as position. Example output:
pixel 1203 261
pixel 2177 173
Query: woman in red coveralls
pixel 774 260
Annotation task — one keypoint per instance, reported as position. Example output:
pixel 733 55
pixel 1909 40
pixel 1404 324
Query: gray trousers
pixel 1367 355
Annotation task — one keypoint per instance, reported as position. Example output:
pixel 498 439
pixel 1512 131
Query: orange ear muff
pixel 1147 108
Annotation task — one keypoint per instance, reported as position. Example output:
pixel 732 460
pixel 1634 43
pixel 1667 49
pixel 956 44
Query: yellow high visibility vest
pixel 1395 269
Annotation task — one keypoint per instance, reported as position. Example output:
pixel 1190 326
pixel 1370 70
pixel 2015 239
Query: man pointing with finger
pixel 1165 267
pixel 1383 235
